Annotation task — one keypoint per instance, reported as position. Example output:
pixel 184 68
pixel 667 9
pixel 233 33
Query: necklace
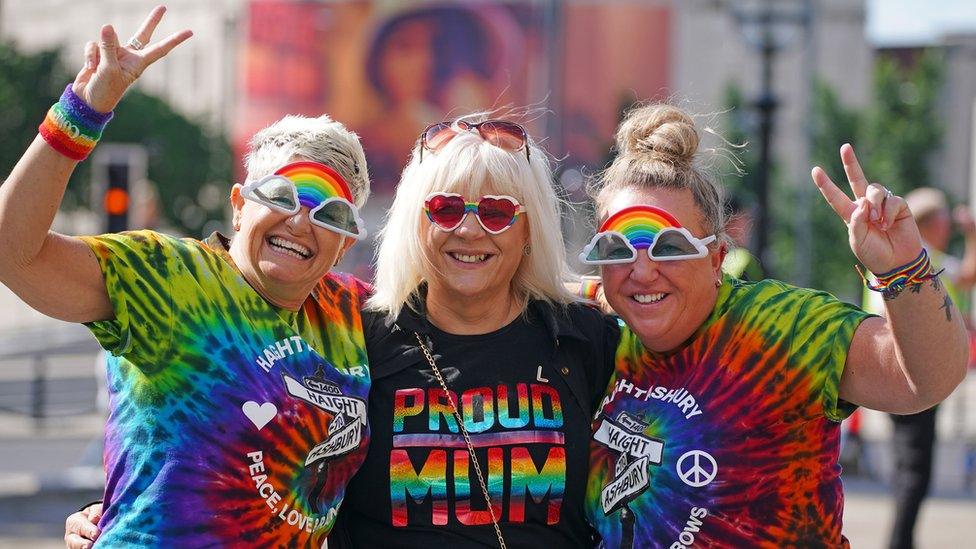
pixel 467 439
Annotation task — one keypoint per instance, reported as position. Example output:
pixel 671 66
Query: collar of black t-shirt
pixel 391 344
pixel 413 318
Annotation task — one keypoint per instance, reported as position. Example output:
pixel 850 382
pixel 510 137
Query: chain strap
pixel 467 440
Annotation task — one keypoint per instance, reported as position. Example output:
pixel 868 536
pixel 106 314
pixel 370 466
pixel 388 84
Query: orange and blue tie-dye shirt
pixel 232 422
pixel 732 439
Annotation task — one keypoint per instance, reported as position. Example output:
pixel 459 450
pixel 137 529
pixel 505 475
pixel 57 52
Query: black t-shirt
pixel 417 487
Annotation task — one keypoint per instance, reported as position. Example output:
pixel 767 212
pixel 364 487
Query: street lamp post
pixel 768 26
pixel 766 106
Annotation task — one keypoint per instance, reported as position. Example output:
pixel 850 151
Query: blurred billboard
pixel 388 69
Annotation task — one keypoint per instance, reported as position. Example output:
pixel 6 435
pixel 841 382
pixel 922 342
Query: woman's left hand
pixel 110 68
pixel 882 232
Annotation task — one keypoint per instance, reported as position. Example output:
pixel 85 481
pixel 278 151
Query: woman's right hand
pixel 81 528
pixel 110 68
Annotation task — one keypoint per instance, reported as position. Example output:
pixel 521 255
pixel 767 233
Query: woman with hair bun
pixel 720 426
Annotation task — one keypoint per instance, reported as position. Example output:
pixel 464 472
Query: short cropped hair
pixel 470 166
pixel 317 139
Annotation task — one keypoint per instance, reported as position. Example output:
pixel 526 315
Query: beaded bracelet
pixel 894 282
pixel 72 127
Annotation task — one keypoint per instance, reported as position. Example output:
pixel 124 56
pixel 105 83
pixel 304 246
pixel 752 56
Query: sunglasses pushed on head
pixel 500 133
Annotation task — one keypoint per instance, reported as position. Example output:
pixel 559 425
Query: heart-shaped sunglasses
pixel 495 213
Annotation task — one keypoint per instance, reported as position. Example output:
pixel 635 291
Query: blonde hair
pixel 470 166
pixel 318 139
pixel 658 148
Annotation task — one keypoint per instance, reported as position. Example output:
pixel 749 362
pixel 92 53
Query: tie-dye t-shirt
pixel 232 422
pixel 731 440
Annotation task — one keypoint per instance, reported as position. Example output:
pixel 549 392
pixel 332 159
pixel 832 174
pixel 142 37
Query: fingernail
pixel 874 215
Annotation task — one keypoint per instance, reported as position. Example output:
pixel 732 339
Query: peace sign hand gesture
pixel 111 68
pixel 882 232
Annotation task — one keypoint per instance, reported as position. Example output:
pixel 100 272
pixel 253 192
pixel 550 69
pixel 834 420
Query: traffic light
pixel 116 202
pixel 117 170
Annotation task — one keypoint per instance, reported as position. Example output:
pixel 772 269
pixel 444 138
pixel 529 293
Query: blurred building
pixel 711 51
pixel 955 171
pixel 704 51
pixel 198 78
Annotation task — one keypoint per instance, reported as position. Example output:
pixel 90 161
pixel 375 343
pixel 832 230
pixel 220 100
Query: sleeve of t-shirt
pixel 822 335
pixel 363 289
pixel 139 268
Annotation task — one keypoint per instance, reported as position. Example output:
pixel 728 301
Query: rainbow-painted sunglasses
pixel 312 185
pixel 643 227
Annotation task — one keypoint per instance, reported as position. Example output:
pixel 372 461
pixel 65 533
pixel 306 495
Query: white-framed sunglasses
pixel 280 194
pixel 670 244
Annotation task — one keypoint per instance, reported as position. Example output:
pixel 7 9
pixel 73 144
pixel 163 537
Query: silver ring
pixel 135 43
pixel 888 193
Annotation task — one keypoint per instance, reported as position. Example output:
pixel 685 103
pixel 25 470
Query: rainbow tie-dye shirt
pixel 732 439
pixel 232 422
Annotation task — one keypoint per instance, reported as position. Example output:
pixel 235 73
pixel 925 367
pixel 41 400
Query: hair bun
pixel 665 132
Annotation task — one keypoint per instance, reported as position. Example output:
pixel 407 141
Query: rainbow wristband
pixel 589 286
pixel 72 127
pixel 894 282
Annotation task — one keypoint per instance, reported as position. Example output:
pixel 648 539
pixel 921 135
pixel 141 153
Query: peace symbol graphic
pixel 696 468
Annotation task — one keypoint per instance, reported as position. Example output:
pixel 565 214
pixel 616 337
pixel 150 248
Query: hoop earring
pixel 527 250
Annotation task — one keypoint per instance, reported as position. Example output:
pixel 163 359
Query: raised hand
pixel 110 68
pixel 881 230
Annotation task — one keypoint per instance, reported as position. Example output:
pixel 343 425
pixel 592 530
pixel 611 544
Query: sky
pixel 917 22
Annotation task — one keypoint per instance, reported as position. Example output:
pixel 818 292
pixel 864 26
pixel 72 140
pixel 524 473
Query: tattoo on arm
pixel 915 288
pixel 936 284
pixel 947 305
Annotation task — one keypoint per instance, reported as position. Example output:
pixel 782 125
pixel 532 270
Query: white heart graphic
pixel 259 414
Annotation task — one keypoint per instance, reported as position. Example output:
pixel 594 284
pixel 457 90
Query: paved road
pixel 945 523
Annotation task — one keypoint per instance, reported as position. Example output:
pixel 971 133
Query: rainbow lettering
pixel 507 425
